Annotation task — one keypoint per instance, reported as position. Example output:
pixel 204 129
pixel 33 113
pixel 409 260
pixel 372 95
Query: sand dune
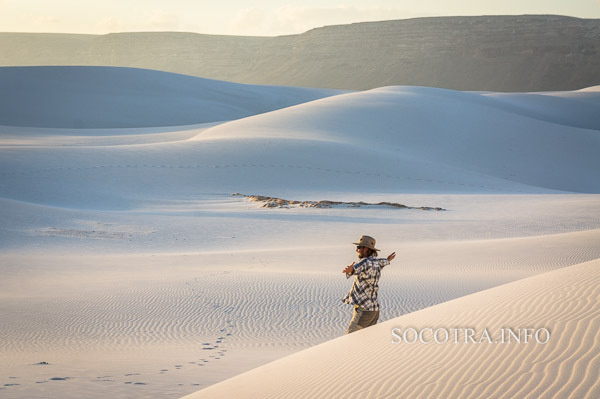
pixel 398 139
pixel 367 364
pixel 546 141
pixel 111 97
pixel 129 268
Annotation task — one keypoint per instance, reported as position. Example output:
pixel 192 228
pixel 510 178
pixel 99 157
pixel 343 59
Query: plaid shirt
pixel 366 283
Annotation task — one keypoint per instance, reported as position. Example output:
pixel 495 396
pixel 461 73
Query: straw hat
pixel 366 241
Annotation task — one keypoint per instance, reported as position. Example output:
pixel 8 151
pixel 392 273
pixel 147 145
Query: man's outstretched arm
pixel 389 258
pixel 349 270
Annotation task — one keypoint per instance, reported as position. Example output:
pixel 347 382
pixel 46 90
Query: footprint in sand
pixel 104 378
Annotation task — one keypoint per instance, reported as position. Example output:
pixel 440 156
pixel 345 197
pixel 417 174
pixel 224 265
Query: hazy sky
pixel 259 17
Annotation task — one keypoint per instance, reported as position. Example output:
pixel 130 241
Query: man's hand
pixel 391 256
pixel 349 269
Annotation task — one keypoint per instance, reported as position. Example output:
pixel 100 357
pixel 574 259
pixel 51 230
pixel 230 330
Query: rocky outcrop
pixel 273 202
pixel 496 53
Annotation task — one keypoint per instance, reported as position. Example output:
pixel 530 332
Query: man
pixel 363 294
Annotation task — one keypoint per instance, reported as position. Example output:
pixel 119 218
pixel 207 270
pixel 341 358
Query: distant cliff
pixel 496 53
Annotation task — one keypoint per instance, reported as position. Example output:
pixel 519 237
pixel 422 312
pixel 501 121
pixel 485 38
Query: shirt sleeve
pixel 383 262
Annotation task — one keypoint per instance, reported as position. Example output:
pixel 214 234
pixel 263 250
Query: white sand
pixel 128 266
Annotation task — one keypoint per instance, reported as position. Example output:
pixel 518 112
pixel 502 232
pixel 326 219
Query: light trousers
pixel 362 319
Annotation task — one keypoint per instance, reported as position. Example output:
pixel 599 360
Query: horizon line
pixel 296 34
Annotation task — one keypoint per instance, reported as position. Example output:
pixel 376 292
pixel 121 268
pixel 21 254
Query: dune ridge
pixel 564 301
pixel 88 97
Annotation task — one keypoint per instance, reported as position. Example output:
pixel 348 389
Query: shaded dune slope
pixel 111 97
